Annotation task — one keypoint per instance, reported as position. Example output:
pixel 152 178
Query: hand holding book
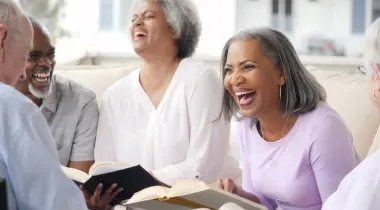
pixel 99 201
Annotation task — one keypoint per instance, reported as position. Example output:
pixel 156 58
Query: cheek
pixel 226 82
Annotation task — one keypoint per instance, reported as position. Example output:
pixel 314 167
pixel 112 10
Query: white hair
pixel 183 18
pixel 372 47
pixel 11 15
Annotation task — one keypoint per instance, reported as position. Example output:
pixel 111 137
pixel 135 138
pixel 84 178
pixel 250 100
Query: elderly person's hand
pixel 374 86
pixel 98 201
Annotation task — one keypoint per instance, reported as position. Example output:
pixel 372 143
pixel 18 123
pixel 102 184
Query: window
pixel 113 15
pixel 282 15
pixel 358 16
pixel 375 9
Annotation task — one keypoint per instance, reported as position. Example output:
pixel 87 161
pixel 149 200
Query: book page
pixel 75 174
pixel 154 205
pixel 106 167
pixel 150 193
pixel 184 187
pixel 215 198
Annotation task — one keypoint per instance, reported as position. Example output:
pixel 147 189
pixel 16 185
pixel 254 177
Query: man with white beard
pixel 70 109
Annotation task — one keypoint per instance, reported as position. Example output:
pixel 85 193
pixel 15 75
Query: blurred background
pixel 328 30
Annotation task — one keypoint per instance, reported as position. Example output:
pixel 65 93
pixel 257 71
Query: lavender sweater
pixel 304 168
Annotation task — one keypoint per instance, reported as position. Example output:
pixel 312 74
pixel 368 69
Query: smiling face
pixel 150 30
pixel 40 65
pixel 252 79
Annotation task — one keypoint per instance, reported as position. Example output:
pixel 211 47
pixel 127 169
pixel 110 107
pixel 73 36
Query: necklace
pixel 282 135
pixel 283 131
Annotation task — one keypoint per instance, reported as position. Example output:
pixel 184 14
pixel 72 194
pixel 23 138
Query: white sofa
pixel 346 92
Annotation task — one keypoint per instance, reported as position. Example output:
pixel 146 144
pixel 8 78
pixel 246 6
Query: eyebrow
pixel 49 50
pixel 241 63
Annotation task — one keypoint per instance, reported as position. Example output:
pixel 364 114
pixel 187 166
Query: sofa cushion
pixel 97 78
pixel 347 94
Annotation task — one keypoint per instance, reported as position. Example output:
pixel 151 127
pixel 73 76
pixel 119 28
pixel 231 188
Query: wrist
pixel 237 191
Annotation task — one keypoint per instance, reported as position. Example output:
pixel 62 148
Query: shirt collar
pixel 51 100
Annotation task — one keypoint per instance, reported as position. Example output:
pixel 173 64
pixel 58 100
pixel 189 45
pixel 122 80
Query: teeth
pixel 243 93
pixel 42 80
pixel 42 75
pixel 140 33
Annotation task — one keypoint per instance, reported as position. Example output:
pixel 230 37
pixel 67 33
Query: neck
pixel 274 125
pixel 159 68
pixel 37 101
pixel 3 78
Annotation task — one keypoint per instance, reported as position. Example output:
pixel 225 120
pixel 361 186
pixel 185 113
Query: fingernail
pixel 121 189
pixel 114 185
pixel 100 185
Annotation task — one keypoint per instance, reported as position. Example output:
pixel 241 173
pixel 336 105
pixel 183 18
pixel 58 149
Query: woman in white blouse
pixel 163 116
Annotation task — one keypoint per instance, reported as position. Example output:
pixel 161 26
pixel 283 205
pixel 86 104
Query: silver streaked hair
pixel 11 15
pixel 372 47
pixel 183 18
pixel 301 92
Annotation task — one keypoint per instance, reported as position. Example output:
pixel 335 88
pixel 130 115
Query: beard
pixel 38 93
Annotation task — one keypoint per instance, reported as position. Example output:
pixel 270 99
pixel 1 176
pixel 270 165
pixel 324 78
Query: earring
pixel 280 91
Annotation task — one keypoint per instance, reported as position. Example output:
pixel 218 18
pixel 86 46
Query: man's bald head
pixel 40 65
pixel 15 41
pixel 37 25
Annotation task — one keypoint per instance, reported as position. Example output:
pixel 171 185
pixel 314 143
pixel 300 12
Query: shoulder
pixel 122 86
pixel 324 125
pixel 199 75
pixel 323 114
pixel 195 71
pixel 16 108
pixel 71 89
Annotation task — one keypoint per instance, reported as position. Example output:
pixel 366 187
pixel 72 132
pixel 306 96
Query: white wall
pixel 253 13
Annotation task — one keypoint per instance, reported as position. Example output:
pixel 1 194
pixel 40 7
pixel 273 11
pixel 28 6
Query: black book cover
pixel 132 179
pixel 3 195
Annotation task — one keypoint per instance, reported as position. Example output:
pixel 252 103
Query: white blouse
pixel 178 140
pixel 360 189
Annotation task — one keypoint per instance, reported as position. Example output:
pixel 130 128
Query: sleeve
pixel 209 137
pixel 332 154
pixel 246 173
pixel 104 144
pixel 85 134
pixel 34 170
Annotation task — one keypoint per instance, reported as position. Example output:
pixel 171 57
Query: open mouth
pixel 139 35
pixel 41 77
pixel 246 97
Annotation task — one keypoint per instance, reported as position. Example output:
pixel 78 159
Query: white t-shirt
pixel 360 189
pixel 178 140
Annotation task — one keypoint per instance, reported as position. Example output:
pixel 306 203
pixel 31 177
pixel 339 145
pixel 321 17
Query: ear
pixel 3 36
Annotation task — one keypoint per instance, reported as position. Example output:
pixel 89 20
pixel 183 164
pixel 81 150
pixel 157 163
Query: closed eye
pixel 227 70
pixel 249 67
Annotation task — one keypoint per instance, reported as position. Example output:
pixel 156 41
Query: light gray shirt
pixel 72 112
pixel 28 159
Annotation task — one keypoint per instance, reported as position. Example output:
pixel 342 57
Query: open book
pixel 131 179
pixel 187 194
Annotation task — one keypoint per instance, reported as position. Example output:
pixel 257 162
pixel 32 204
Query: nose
pixel 44 61
pixel 237 79
pixel 137 22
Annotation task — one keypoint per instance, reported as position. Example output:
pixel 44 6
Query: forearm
pixel 81 165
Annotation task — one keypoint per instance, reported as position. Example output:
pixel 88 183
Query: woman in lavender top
pixel 295 149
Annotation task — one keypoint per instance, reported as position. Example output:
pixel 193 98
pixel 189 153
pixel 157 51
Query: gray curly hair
pixel 183 18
